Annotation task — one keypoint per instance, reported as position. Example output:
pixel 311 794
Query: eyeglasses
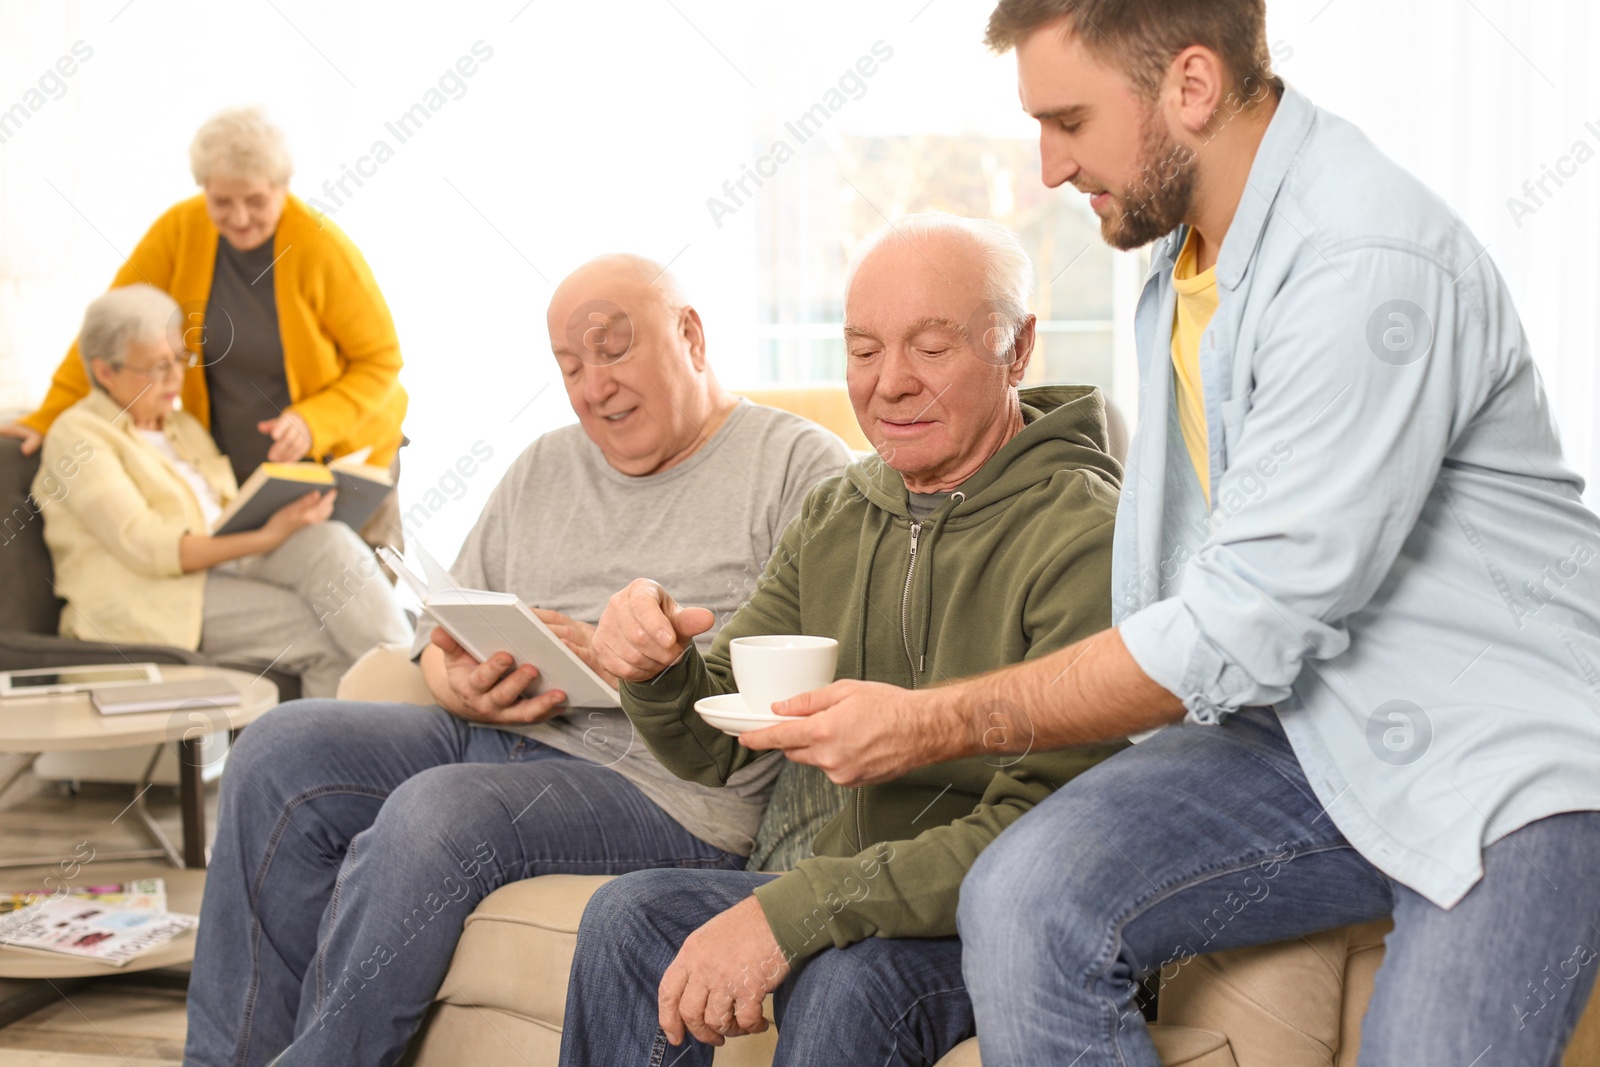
pixel 167 368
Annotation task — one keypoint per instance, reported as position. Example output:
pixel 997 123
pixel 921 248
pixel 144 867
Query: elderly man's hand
pixel 861 733
pixel 491 691
pixel 577 636
pixel 644 631
pixel 721 976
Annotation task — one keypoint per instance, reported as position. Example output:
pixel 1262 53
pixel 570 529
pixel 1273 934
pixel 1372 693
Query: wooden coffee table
pixel 65 722
pixel 68 722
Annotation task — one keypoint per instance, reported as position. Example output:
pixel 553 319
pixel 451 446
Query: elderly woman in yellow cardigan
pixel 297 351
pixel 130 489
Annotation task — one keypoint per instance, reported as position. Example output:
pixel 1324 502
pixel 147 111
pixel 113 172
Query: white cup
pixel 774 668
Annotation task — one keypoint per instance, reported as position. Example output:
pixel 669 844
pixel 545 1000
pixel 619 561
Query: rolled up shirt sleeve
pixel 1366 371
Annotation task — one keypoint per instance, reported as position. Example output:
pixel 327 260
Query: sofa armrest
pixel 387 674
pixel 1281 1005
pixel 20 651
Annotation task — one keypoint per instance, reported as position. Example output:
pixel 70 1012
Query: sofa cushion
pixel 506 989
pixel 1281 1004
pixel 516 948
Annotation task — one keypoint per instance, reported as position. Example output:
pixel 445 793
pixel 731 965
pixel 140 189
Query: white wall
pixel 607 125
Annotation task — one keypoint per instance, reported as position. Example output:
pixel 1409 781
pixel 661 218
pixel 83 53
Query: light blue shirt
pixel 1397 557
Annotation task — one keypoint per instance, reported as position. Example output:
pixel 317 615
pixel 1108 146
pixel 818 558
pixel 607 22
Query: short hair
pixel 1143 37
pixel 1007 270
pixel 240 142
pixel 130 314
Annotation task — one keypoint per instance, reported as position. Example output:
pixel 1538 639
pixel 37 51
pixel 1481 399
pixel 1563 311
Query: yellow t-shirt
pixel 1197 302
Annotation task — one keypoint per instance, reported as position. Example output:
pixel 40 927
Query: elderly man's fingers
pixel 692 1009
pixel 747 1016
pixel 486 675
pixel 719 1015
pixel 508 690
pixel 554 619
pixel 441 637
pixel 668 995
pixel 623 659
pixel 690 623
pixel 534 709
pixel 648 619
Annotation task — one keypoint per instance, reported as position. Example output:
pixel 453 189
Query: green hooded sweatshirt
pixel 1015 565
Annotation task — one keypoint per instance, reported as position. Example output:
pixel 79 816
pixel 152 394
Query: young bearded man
pixel 1350 560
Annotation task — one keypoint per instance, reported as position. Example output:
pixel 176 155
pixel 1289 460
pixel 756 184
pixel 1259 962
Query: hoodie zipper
pixel 905 605
pixel 911 661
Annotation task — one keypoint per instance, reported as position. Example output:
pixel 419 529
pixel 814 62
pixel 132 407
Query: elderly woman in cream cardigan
pixel 137 484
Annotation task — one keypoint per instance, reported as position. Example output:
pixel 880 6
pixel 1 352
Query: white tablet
pixel 76 679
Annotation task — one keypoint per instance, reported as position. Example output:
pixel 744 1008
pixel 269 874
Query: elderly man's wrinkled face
pixel 631 364
pixel 244 210
pixel 930 379
pixel 147 382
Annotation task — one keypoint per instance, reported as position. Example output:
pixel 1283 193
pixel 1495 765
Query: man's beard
pixel 1157 201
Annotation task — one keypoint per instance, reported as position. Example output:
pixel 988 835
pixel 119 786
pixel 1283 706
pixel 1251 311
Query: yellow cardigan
pixel 114 512
pixel 340 352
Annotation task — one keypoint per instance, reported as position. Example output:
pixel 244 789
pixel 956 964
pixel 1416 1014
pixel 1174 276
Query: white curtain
pixel 1477 98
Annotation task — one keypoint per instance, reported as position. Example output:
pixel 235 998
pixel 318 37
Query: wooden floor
pixel 129 1021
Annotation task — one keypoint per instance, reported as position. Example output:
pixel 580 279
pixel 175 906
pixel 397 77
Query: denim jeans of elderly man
pixel 888 1002
pixel 430 815
pixel 1180 881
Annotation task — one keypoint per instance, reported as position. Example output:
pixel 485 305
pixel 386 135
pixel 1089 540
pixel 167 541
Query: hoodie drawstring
pixel 926 558
pixel 863 580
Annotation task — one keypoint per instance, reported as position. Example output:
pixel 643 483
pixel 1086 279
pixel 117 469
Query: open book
pixel 361 487
pixel 484 623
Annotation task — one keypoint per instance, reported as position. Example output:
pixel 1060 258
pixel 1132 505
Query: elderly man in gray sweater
pixel 354 839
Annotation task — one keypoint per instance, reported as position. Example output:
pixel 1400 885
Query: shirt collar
pixel 1279 147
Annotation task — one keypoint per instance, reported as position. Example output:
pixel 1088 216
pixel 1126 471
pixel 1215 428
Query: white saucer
pixel 730 714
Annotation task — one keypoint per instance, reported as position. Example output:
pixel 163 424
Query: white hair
pixel 1007 270
pixel 240 142
pixel 130 314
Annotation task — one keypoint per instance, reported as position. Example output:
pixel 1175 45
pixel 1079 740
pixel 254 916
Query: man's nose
pixel 598 383
pixel 1056 164
pixel 897 376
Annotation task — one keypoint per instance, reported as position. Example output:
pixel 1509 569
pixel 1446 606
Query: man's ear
pixel 694 335
pixel 1022 350
pixel 1196 91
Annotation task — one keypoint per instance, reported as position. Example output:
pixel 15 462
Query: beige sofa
pixel 1293 1004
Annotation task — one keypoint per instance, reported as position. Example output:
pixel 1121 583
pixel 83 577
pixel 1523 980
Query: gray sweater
pixel 564 530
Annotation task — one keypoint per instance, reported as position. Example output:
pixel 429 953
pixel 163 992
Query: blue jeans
pixel 879 1003
pixel 1208 837
pixel 353 842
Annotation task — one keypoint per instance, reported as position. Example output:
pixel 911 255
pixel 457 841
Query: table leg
pixel 192 800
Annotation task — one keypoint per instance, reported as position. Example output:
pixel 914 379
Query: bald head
pixel 625 279
pixel 633 360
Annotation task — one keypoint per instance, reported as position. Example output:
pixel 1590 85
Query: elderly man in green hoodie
pixel 978 536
